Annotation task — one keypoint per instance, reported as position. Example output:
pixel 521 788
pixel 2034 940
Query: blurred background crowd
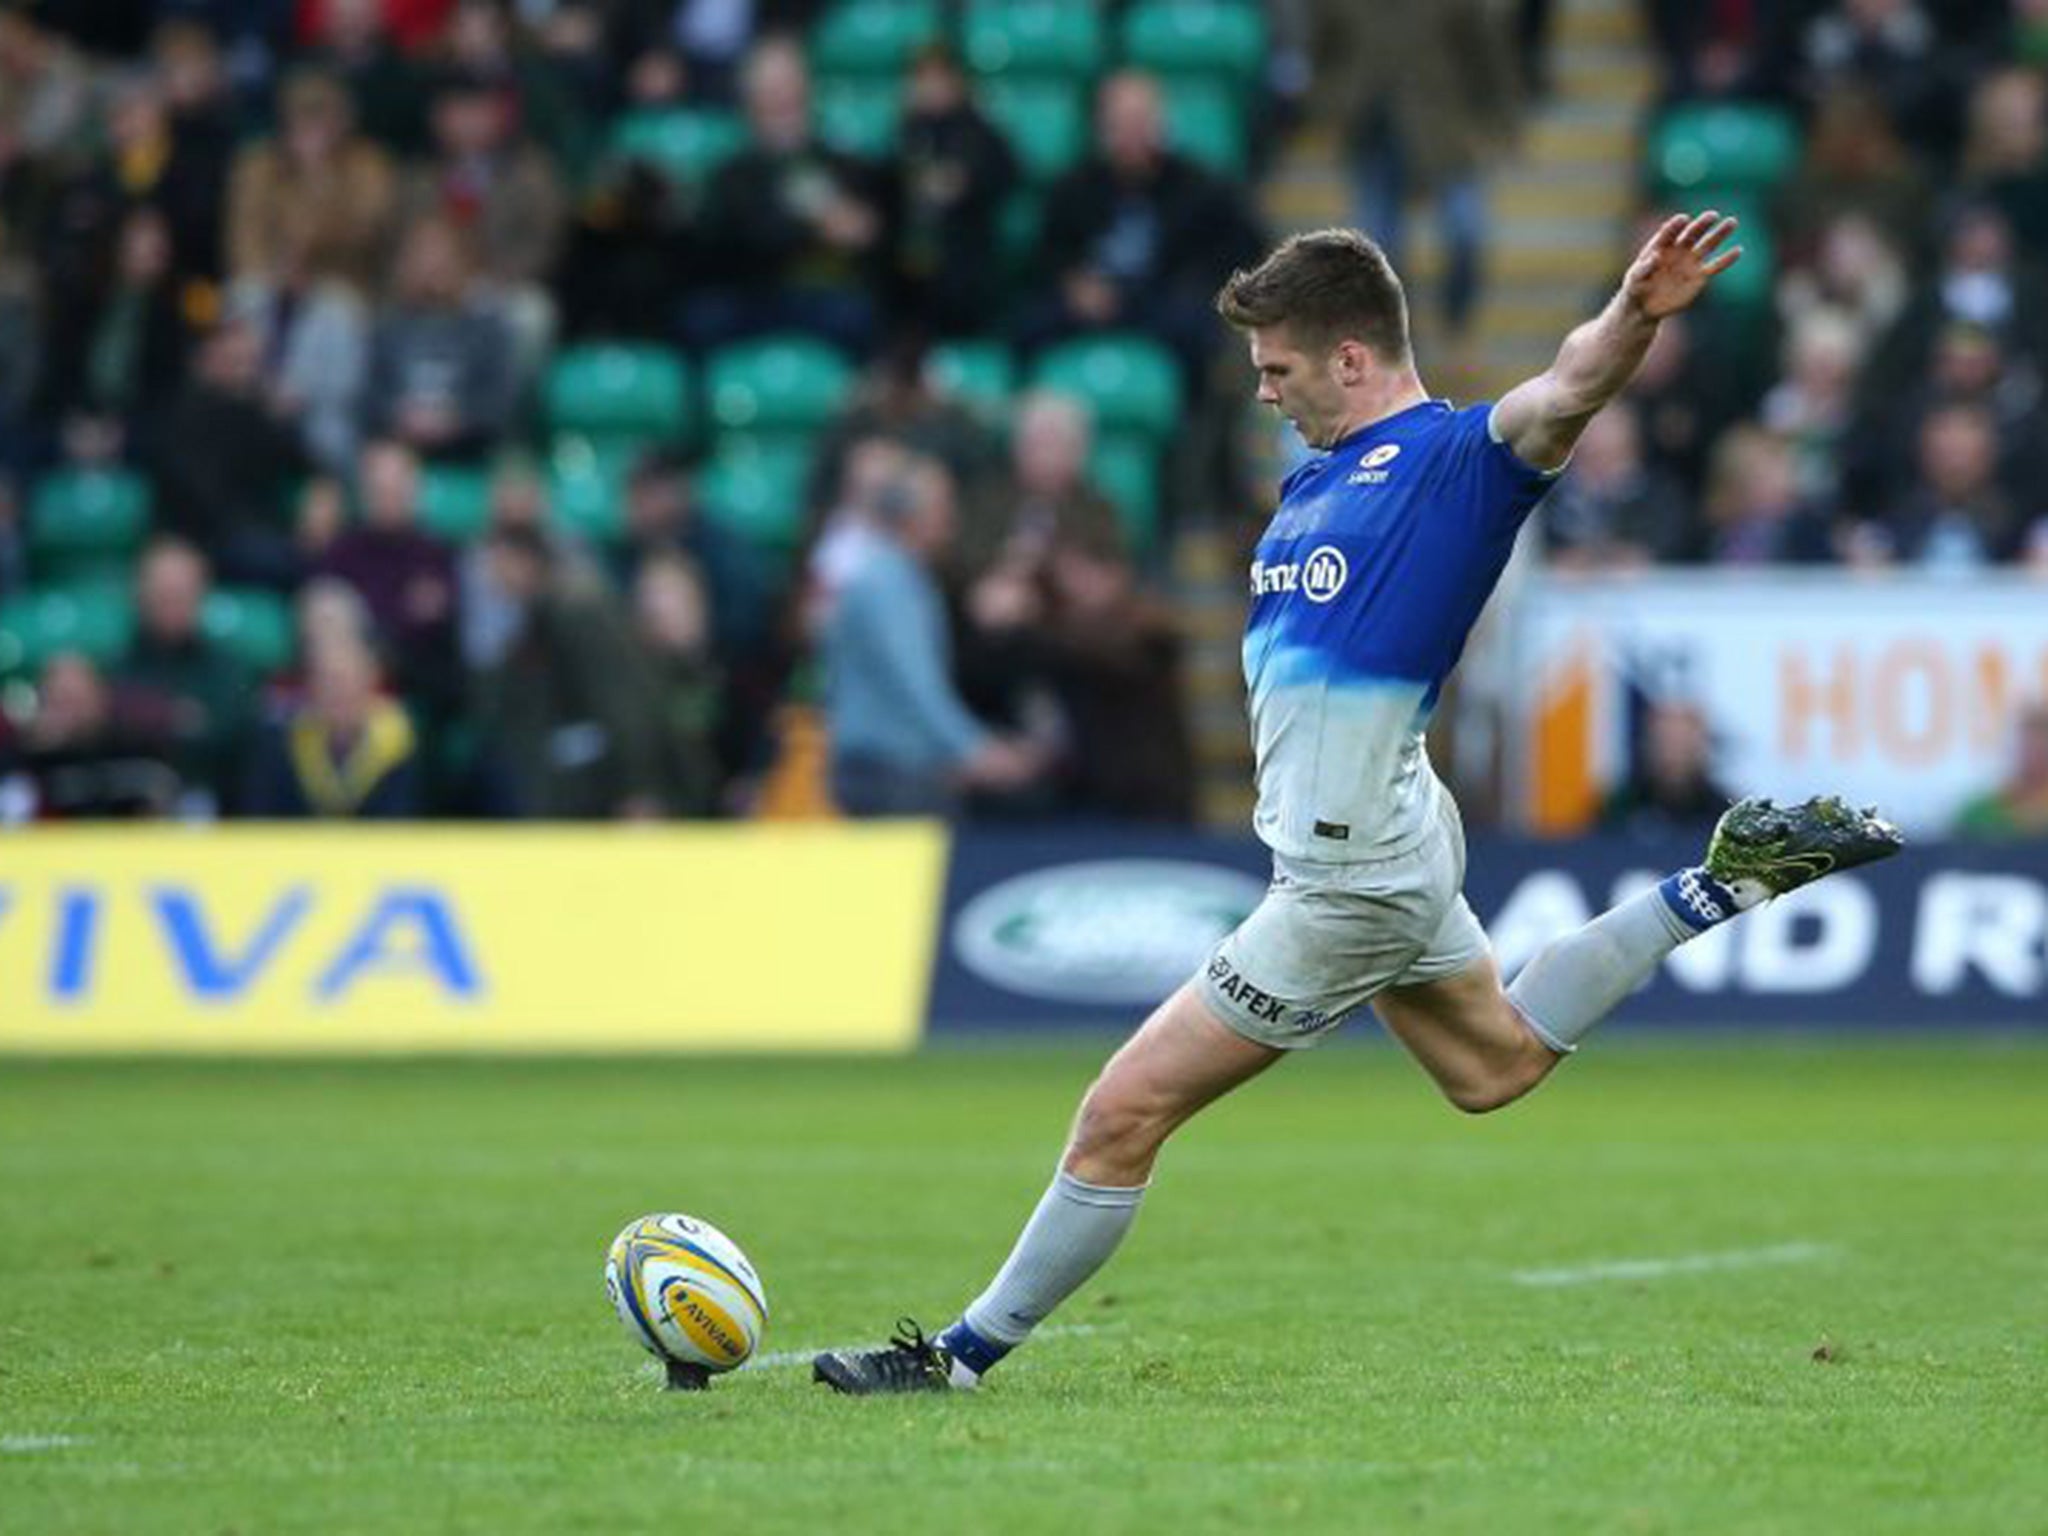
pixel 690 408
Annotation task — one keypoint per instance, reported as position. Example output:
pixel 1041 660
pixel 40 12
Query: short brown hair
pixel 1327 286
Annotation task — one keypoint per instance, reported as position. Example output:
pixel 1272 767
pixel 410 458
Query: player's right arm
pixel 1542 418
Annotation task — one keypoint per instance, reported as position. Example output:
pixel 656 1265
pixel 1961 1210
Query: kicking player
pixel 1377 561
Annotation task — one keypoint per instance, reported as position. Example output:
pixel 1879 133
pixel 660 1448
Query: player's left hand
pixel 1678 262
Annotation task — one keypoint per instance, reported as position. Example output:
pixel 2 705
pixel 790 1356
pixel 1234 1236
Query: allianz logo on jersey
pixel 1318 578
pixel 1372 468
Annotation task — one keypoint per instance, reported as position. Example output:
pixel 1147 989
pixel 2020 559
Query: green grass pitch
pixel 1782 1286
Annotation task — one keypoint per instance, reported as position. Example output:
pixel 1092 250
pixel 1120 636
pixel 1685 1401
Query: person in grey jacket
pixel 903 743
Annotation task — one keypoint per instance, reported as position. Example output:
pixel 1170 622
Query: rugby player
pixel 1376 563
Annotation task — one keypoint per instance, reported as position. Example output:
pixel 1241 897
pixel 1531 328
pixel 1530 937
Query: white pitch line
pixel 781 1357
pixel 1683 1264
pixel 22 1445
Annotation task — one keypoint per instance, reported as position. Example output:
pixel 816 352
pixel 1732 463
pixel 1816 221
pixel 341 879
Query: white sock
pixel 1576 981
pixel 1075 1229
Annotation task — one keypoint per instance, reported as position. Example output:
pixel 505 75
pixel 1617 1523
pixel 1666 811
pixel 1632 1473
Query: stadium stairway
pixel 1560 209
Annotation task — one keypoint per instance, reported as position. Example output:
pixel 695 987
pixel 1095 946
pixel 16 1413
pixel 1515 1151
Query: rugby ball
pixel 686 1294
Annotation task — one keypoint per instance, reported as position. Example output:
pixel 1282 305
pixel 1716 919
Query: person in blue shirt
pixel 1383 549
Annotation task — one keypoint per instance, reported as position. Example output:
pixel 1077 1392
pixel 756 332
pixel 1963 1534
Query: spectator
pixel 1853 271
pixel 903 743
pixel 1425 94
pixel 313 329
pixel 1137 236
pixel 1954 516
pixel 2005 161
pixel 1612 509
pixel 13 548
pixel 1721 52
pixel 957 172
pixel 850 527
pixel 442 373
pixel 1114 658
pixel 1891 49
pixel 1978 282
pixel 1855 164
pixel 192 77
pixel 2017 807
pixel 672 628
pixel 117 350
pixel 203 689
pixel 405 576
pixel 346 751
pixel 45 89
pixel 1671 787
pixel 1755 514
pixel 1046 496
pixel 1969 367
pixel 801 223
pixel 566 712
pixel 1686 397
pixel 223 460
pixel 83 752
pixel 665 520
pixel 21 351
pixel 481 44
pixel 637 237
pixel 317 184
pixel 897 399
pixel 1813 407
pixel 355 47
pixel 414 24
pixel 504 193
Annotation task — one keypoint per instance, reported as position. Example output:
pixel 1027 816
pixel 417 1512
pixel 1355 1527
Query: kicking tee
pixel 1363 589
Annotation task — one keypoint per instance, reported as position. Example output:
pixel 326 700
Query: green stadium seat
pixel 1216 38
pixel 872 37
pixel 1125 468
pixel 686 145
pixel 455 501
pixel 1045 120
pixel 755 488
pixel 785 383
pixel 1205 121
pixel 979 373
pixel 1033 37
pixel 1130 381
pixel 253 625
pixel 96 619
pixel 619 391
pixel 1739 145
pixel 858 115
pixel 86 523
pixel 586 479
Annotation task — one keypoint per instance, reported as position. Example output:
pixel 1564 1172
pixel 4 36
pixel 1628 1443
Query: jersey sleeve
pixel 1486 478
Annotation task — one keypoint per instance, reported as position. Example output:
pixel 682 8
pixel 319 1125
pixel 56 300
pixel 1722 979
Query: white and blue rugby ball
pixel 686 1292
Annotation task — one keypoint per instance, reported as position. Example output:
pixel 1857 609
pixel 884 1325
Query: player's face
pixel 1300 385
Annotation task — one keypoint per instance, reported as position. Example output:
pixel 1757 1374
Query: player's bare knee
pixel 1117 1123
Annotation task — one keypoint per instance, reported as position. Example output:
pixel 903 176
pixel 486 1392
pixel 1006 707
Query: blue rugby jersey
pixel 1364 587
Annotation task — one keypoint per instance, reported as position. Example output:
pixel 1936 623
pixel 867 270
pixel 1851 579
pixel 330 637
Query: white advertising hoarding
pixel 1898 689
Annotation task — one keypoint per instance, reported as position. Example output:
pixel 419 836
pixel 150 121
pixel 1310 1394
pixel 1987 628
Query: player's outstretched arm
pixel 1542 418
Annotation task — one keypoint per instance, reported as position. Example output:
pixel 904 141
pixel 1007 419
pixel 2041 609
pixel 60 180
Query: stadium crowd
pixel 501 407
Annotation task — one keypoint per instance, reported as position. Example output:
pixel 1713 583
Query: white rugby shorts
pixel 1330 937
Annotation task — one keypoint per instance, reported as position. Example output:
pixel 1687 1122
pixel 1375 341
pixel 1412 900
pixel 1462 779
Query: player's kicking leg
pixel 1180 1059
pixel 1487 1045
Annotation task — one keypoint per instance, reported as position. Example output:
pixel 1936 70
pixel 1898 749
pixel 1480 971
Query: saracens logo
pixel 1318 578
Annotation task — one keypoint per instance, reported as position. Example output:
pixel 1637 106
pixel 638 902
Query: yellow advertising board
pixel 364 938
